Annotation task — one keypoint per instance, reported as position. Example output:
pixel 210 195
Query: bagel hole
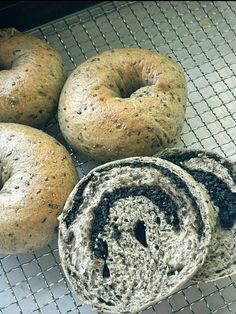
pixel 1 178
pixel 4 67
pixel 4 176
pixel 2 181
pixel 133 86
pixel 130 89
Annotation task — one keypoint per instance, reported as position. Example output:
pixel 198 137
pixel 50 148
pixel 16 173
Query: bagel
pixel 36 176
pixel 217 175
pixel 31 79
pixel 132 232
pixel 122 103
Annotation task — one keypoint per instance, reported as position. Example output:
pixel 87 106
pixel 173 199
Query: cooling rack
pixel 201 36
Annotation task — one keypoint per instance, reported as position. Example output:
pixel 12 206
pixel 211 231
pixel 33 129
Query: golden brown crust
pixel 37 174
pixel 124 102
pixel 31 78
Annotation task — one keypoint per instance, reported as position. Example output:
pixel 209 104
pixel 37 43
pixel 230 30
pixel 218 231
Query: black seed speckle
pixel 116 234
pixel 16 51
pixel 70 237
pixel 106 302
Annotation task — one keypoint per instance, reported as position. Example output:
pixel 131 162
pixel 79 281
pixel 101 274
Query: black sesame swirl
pixel 139 221
pixel 101 213
pixel 218 176
pixel 220 192
pixel 173 177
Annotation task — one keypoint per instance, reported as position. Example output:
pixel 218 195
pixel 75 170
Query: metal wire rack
pixel 201 36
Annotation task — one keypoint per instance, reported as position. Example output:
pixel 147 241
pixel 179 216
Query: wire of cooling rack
pixel 201 36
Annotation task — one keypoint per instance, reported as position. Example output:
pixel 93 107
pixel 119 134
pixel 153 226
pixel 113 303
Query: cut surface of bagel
pixel 132 232
pixel 218 176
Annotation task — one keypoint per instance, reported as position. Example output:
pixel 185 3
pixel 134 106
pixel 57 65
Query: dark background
pixel 24 15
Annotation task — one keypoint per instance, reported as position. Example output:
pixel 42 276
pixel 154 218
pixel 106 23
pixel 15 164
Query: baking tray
pixel 201 36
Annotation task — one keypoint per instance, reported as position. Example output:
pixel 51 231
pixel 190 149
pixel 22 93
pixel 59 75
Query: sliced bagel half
pixel 218 176
pixel 132 232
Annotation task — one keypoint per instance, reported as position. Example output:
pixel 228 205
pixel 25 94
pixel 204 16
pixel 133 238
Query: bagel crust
pixel 122 103
pixel 36 176
pixel 31 78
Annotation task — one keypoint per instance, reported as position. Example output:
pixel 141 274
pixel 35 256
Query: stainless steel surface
pixel 201 36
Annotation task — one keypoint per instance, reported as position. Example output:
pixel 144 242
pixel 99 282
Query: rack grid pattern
pixel 201 36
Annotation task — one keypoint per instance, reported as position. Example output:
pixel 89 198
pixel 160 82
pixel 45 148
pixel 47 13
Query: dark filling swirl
pixel 174 178
pixel 155 194
pixel 219 192
pixel 179 157
pixel 102 212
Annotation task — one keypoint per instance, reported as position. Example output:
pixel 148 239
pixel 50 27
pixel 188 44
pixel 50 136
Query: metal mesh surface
pixel 201 36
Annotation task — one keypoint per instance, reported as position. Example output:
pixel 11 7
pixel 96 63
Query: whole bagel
pixel 31 78
pixel 36 176
pixel 123 102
